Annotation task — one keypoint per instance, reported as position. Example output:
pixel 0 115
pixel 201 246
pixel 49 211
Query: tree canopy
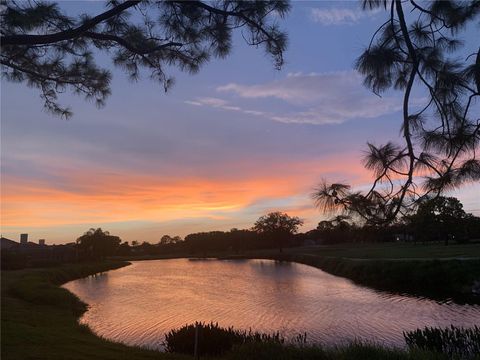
pixel 440 218
pixel 167 239
pixel 45 48
pixel 277 223
pixel 416 51
pixel 277 227
pixel 97 244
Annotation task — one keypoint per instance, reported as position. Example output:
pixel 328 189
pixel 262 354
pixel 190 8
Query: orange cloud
pixel 101 196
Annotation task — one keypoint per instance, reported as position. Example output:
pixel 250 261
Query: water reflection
pixel 140 303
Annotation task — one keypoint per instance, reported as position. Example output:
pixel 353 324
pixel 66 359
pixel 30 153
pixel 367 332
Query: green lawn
pixel 393 251
pixel 373 251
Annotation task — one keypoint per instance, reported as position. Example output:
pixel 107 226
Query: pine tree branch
pixel 128 45
pixel 67 34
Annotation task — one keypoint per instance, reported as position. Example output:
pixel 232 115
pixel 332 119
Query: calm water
pixel 138 304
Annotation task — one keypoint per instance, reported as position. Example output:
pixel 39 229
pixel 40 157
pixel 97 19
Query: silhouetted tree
pixel 440 218
pixel 278 227
pixel 177 239
pixel 146 248
pixel 417 54
pixel 337 230
pixel 47 49
pixel 473 226
pixel 97 244
pixel 208 241
pixel 166 239
pixel 124 249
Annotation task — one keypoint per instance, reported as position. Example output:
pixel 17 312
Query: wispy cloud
pixel 339 16
pixel 318 98
pixel 213 102
pixel 222 104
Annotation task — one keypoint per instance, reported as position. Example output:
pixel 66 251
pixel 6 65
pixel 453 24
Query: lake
pixel 138 304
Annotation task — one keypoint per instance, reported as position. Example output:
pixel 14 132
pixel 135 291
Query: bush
pixel 213 339
pixel 455 342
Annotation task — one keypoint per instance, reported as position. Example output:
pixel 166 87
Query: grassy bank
pixel 394 251
pixel 39 318
pixel 435 270
pixel 432 278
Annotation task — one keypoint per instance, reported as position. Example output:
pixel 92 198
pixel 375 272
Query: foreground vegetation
pixel 260 351
pixel 454 342
pixel 40 321
pixel 214 340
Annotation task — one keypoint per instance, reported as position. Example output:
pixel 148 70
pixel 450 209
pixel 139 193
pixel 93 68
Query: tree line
pixel 440 219
pixel 274 230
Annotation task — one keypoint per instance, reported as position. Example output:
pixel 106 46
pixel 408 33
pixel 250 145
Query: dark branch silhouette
pixel 442 136
pixel 46 49
pixel 67 34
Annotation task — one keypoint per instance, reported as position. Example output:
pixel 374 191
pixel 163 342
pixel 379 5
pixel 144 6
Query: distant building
pixel 34 254
pixel 7 244
pixel 23 239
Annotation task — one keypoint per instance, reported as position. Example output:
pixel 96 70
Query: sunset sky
pixel 220 149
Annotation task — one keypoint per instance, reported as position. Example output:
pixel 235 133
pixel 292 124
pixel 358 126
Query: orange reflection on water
pixel 138 304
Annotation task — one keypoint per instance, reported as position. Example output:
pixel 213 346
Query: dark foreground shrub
pixel 455 342
pixel 213 339
pixel 275 351
pixel 353 351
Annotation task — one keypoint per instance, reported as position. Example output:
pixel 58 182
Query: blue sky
pixel 221 148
